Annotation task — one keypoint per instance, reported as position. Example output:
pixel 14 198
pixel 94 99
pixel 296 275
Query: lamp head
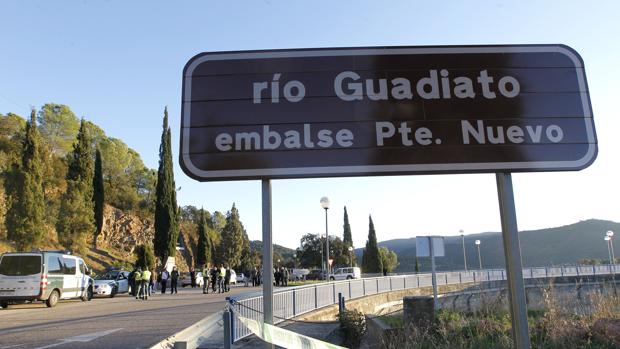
pixel 325 202
pixel 609 233
pixel 477 242
pixel 350 248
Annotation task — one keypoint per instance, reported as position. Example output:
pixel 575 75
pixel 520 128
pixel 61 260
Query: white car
pixel 186 280
pixel 346 274
pixel 111 283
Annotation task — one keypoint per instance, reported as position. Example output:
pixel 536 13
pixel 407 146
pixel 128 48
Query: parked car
pixel 298 274
pixel 186 280
pixel 111 283
pixel 240 277
pixel 46 276
pixel 316 274
pixel 346 274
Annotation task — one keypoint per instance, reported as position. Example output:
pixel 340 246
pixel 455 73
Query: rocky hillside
pixel 121 234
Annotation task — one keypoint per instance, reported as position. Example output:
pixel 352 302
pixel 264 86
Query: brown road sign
pixel 385 111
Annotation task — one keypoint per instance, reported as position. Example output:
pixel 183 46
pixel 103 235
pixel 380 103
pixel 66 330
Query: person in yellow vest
pixel 138 282
pixel 146 279
pixel 220 279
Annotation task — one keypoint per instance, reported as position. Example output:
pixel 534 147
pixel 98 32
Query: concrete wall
pixel 578 298
pixel 379 304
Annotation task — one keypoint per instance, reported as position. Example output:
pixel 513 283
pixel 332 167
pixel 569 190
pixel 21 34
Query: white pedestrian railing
pixel 295 301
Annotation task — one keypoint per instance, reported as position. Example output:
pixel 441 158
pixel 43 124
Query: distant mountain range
pixel 285 252
pixel 551 246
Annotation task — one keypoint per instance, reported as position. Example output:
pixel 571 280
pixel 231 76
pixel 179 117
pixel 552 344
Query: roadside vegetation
pixel 490 328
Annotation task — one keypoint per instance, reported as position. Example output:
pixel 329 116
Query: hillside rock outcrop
pixel 123 232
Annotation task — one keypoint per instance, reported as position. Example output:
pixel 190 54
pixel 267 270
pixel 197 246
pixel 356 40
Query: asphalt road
pixel 120 322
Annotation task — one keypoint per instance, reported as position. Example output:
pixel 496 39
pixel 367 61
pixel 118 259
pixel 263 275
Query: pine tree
pixel 98 196
pixel 25 216
pixel 166 210
pixel 371 261
pixel 203 253
pixel 76 221
pixel 231 245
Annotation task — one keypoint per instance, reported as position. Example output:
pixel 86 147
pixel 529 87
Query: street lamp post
pixel 325 205
pixel 350 256
pixel 294 261
pixel 479 257
pixel 464 254
pixel 610 234
pixel 607 240
pixel 322 256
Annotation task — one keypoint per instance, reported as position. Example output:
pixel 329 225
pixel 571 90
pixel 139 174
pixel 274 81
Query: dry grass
pixel 551 328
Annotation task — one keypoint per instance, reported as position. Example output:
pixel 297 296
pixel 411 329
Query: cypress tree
pixel 76 221
pixel 25 216
pixel 231 245
pixel 144 257
pixel 203 253
pixel 347 238
pixel 371 261
pixel 98 196
pixel 166 211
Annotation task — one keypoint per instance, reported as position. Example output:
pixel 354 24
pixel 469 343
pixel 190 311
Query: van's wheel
pixel 88 296
pixel 53 299
pixel 4 304
pixel 349 277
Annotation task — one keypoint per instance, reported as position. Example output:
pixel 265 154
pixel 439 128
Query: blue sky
pixel 118 63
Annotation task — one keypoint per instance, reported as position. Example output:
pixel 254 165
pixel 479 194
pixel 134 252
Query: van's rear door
pixel 20 275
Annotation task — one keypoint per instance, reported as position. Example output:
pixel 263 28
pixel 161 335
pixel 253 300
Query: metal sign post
pixel 514 268
pixel 267 257
pixel 433 247
pixel 433 274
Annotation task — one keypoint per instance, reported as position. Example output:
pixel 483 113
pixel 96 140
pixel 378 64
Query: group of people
pixel 173 276
pixel 217 278
pixel 141 283
pixel 256 276
pixel 280 276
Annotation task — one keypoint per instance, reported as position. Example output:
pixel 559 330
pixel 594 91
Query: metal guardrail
pixel 292 302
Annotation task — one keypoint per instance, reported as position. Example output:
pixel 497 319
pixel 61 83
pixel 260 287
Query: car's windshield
pixel 107 276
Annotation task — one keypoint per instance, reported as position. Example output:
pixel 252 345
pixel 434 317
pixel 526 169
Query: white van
pixel 346 274
pixel 43 276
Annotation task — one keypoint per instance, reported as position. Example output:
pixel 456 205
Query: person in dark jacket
pixel 254 283
pixel 205 279
pixel 174 279
pixel 132 282
pixel 192 277
pixel 213 278
pixel 227 280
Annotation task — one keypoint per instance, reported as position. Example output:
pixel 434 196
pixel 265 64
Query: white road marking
pixel 83 338
pixel 12 346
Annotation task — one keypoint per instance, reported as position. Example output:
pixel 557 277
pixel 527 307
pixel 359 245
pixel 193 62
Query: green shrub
pixel 353 326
